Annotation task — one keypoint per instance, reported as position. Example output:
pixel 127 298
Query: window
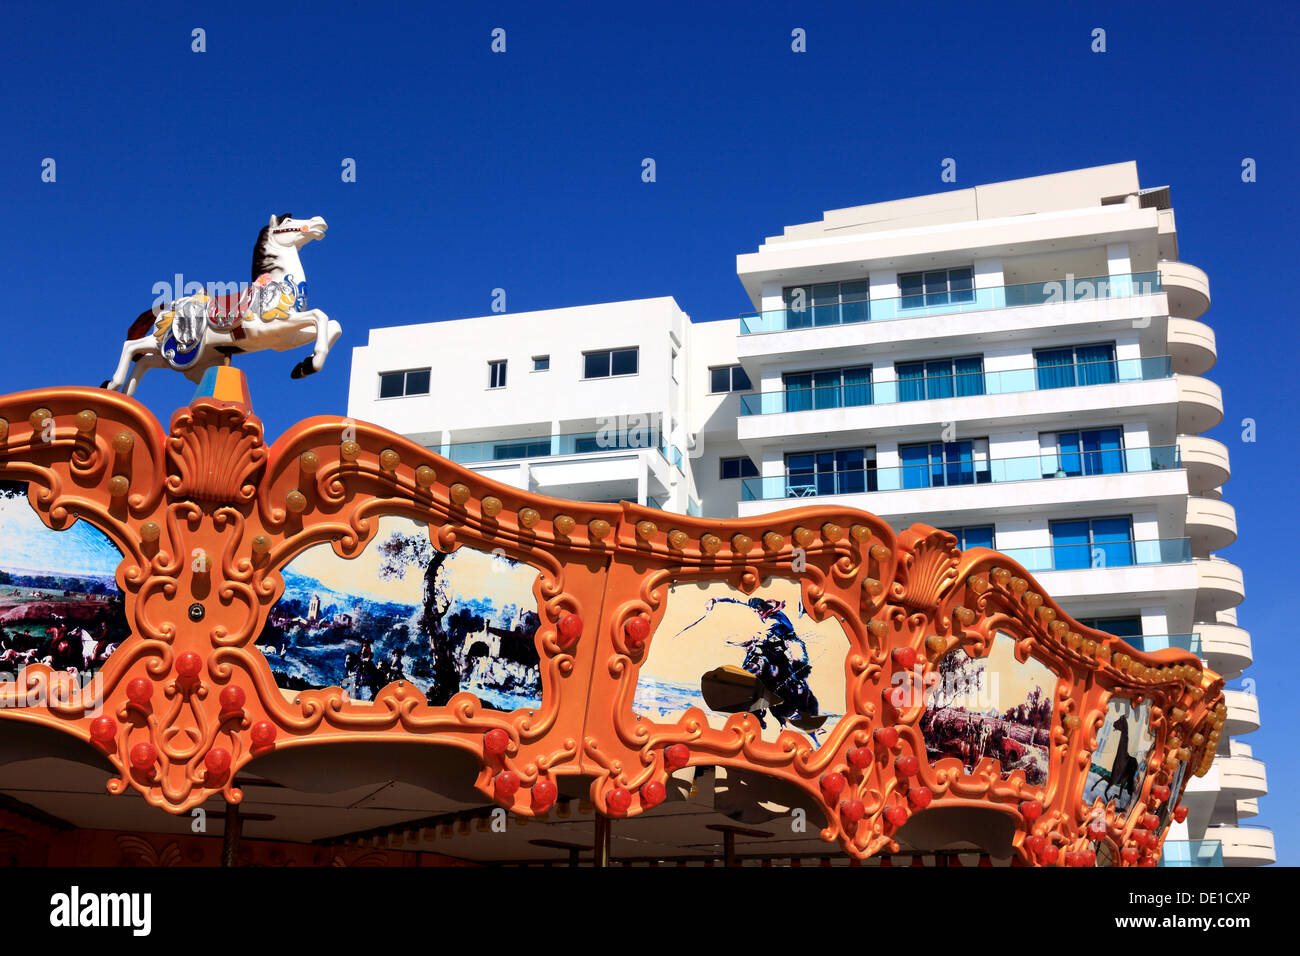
pixel 842 471
pixel 397 384
pixel 940 378
pixel 1095 543
pixel 728 378
pixel 827 388
pixel 541 363
pixel 827 303
pixel 740 467
pixel 527 448
pixel 1076 365
pixel 942 464
pixel 1119 626
pixel 980 536
pixel 1098 451
pixel 609 362
pixel 936 287
pixel 497 374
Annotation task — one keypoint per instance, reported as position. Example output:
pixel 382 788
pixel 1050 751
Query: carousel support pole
pixel 601 856
pixel 729 848
pixel 230 840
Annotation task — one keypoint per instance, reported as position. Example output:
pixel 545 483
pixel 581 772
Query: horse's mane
pixel 262 261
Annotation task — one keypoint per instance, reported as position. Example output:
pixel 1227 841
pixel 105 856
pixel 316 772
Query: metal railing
pixel 947 302
pixel 1102 554
pixel 546 446
pixel 1191 853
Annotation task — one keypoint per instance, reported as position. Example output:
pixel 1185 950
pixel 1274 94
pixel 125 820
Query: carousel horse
pixel 196 332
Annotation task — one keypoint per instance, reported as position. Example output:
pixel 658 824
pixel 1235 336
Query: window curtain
pixel 970 375
pixel 798 392
pixel 826 388
pixel 916 465
pixel 1096 364
pixel 850 473
pixel 911 381
pixel 857 386
pixel 1055 368
pixel 938 379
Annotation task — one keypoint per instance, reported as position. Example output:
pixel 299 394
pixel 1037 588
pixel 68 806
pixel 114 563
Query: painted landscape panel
pixel 401 610
pixel 762 652
pixel 1119 763
pixel 59 600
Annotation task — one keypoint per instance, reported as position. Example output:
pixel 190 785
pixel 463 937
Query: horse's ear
pixel 273 223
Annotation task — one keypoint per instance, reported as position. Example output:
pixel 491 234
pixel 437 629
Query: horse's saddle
pixel 183 326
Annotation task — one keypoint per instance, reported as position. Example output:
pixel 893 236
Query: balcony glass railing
pixel 1102 554
pixel 1069 289
pixel 959 385
pixel 544 446
pixel 966 471
pixel 1159 642
pixel 1191 853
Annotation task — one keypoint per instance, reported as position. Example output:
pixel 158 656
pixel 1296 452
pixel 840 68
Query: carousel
pixel 338 648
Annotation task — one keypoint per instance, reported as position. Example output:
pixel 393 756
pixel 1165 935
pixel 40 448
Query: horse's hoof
pixel 303 369
pixel 104 384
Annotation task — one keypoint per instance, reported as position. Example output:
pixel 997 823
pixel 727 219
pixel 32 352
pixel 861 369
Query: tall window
pixel 827 303
pixel 728 378
pixel 980 536
pixel 1095 543
pixel 936 287
pixel 828 388
pixel 1076 365
pixel 842 471
pixel 940 378
pixel 497 374
pixel 609 362
pixel 1097 451
pixel 397 384
pixel 741 466
pixel 941 464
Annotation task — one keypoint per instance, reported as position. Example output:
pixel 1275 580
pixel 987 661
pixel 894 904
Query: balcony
pixel 1200 404
pixel 1181 853
pixel 1226 648
pixel 1242 777
pixel 1069 289
pixel 1192 346
pixel 1243 712
pixel 1147 643
pixel 963 472
pixel 1206 461
pixel 1188 289
pixel 1219 586
pixel 1102 554
pixel 1247 808
pixel 1211 524
pixel 1244 845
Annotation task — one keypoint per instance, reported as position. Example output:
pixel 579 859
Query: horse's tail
pixel 141 326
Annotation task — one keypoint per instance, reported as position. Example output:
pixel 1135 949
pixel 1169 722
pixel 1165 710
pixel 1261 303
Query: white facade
pixel 1022 360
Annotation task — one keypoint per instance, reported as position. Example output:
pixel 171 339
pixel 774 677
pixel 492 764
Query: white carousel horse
pixel 196 332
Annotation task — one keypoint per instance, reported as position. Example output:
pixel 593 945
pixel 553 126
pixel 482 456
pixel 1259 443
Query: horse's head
pixel 287 231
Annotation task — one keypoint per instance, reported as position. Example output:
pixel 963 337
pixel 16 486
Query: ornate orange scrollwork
pixel 861 724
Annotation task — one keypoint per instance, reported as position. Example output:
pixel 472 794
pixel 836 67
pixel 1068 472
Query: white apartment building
pixel 1020 363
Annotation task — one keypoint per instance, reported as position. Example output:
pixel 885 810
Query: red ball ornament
pixel 920 797
pixel 859 757
pixel 570 629
pixel 653 793
pixel 1140 837
pixel 896 815
pixel 496 741
pixel 1034 843
pixel 140 691
pixel 833 784
pixel 619 800
pixel 263 733
pixel 1089 857
pixel 676 756
pixel 189 665
pixel 1151 821
pixel 1031 810
pixel 143 756
pixel 853 810
pixel 1180 814
pixel 217 761
pixel 887 737
pixel 905 657
pixel 1051 853
pixel 544 794
pixel 231 699
pixel 636 630
pixel 103 730
pixel 1129 854
pixel 907 765
pixel 506 784
pixel 1160 792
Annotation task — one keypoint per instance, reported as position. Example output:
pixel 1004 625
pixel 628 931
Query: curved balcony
pixel 1200 404
pixel 1226 648
pixel 1241 777
pixel 1187 287
pixel 1192 346
pixel 1211 524
pixel 1244 846
pixel 1219 586
pixel 1206 461
pixel 1247 808
pixel 1243 712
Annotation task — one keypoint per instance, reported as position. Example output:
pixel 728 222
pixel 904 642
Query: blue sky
pixel 522 171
